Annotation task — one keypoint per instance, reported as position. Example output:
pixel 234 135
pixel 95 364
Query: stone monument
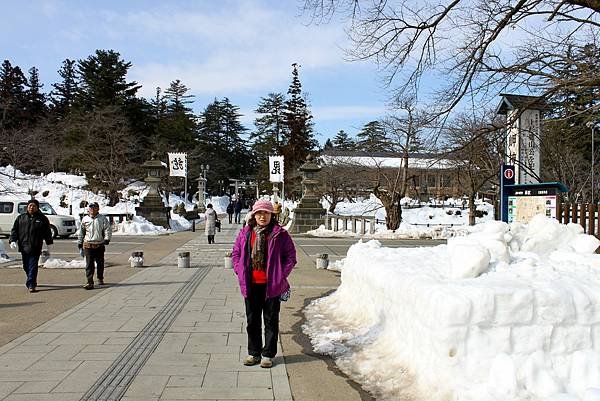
pixel 309 213
pixel 152 207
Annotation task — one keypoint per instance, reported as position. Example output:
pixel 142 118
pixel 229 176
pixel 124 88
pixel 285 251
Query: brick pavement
pixel 166 333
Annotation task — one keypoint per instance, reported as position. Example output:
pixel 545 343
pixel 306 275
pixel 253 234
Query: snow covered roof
pixel 425 161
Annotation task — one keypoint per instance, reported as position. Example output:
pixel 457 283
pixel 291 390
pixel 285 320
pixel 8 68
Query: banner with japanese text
pixel 276 168
pixel 178 164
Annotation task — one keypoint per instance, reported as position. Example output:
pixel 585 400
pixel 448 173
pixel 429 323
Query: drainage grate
pixel 115 381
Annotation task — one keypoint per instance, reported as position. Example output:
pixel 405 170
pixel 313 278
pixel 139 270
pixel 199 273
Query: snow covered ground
pixel 507 313
pixel 446 220
pixel 61 190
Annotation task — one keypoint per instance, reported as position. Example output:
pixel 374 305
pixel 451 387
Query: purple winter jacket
pixel 281 259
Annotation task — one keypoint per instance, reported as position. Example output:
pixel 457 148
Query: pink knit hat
pixel 262 204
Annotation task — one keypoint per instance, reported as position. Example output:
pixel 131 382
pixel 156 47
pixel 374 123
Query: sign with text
pixel 178 164
pixel 276 168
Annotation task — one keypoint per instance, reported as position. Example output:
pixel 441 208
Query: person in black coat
pixel 229 211
pixel 28 233
pixel 237 208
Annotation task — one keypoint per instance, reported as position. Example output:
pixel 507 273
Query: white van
pixel 61 226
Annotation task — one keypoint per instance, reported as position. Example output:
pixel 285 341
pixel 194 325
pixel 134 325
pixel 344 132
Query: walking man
pixel 94 234
pixel 28 233
pixel 237 208
pixel 229 211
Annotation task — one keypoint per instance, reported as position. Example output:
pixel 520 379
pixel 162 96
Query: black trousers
pixel 259 309
pixel 230 215
pixel 94 256
pixel 211 239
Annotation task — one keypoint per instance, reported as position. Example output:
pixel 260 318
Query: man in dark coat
pixel 230 211
pixel 28 233
pixel 237 208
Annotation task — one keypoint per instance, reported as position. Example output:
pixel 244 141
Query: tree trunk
pixel 471 209
pixel 393 215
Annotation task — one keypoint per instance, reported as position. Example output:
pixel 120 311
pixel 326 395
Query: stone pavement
pixel 165 333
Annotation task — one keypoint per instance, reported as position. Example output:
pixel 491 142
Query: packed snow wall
pixel 503 314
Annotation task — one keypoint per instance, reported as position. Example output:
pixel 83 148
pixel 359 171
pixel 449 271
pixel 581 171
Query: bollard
pixel 183 259
pixel 194 225
pixel 322 261
pixel 137 259
pixel 227 261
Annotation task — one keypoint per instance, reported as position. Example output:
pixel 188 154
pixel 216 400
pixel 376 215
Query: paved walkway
pixel 166 333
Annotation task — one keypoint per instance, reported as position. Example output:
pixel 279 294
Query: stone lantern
pixel 309 213
pixel 152 207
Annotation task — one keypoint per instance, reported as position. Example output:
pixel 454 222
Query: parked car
pixel 62 226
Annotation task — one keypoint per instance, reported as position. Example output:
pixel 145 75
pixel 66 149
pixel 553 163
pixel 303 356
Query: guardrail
pixel 120 217
pixel 358 224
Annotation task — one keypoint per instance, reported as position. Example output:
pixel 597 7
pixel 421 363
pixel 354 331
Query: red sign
pixel 509 173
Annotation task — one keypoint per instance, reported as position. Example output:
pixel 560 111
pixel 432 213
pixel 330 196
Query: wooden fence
pixel 585 214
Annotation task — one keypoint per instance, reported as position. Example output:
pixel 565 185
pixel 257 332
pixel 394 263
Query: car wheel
pixel 54 232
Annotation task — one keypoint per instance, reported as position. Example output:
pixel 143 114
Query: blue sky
pixel 242 50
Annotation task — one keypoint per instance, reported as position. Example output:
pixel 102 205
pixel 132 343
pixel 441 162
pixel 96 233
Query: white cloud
pixel 248 48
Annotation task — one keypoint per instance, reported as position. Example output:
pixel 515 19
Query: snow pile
pixel 55 263
pixel 446 221
pixel 506 313
pixel 3 255
pixel 62 190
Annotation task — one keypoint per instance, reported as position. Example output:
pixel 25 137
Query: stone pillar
pixel 309 213
pixel 152 207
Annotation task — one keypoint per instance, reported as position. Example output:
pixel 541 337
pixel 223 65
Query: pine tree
pixel 271 126
pixel 300 140
pixel 103 80
pixel 63 95
pixel 220 144
pixel 372 138
pixel 12 95
pixel 342 141
pixel 328 145
pixel 35 98
pixel 176 128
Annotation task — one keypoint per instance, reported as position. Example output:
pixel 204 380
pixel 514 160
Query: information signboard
pixel 526 201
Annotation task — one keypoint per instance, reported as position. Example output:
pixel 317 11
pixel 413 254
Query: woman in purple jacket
pixel 263 257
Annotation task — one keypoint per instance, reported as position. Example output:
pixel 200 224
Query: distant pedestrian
pixel 29 231
pixel 229 211
pixel 237 208
pixel 94 235
pixel 263 257
pixel 210 225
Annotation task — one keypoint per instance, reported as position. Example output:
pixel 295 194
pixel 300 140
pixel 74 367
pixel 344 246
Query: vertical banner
pixel 276 168
pixel 178 164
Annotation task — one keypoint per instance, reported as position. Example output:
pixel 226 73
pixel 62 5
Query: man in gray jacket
pixel 94 234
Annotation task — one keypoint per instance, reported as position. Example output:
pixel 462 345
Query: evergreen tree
pixel 342 141
pixel 12 95
pixel 372 138
pixel 220 144
pixel 176 126
pixel 271 126
pixel 300 140
pixel 35 98
pixel 103 80
pixel 328 145
pixel 64 93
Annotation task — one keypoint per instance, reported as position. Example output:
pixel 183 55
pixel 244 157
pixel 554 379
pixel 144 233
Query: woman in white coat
pixel 210 225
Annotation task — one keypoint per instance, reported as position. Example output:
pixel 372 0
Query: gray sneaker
pixel 252 360
pixel 266 362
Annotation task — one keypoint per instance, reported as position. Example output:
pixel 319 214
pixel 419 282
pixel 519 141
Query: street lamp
pixel 592 125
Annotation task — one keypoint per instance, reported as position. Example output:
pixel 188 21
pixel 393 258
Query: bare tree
pixel 479 48
pixel 342 179
pixel 476 148
pixel 407 132
pixel 106 146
